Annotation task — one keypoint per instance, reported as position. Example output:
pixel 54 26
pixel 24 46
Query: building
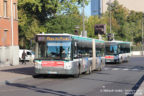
pixel 95 7
pixel 8 33
pixel 100 6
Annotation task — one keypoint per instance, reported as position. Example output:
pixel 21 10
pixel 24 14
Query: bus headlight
pixel 38 64
pixel 67 65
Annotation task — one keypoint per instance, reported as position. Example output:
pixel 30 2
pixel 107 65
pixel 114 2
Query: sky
pixel 87 10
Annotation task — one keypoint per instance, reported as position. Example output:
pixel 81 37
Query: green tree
pixel 36 16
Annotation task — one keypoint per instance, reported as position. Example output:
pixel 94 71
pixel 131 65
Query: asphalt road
pixel 115 80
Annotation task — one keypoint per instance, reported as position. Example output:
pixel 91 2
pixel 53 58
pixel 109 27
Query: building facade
pixel 100 6
pixel 8 33
pixel 95 7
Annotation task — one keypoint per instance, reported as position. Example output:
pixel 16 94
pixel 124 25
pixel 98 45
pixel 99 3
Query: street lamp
pixel 83 33
pixel 12 34
pixel 110 14
pixel 142 34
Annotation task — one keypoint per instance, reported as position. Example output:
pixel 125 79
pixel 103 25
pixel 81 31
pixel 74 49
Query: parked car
pixel 29 55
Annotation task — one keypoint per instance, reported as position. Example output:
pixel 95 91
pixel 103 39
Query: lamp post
pixel 142 35
pixel 12 34
pixel 83 33
pixel 110 14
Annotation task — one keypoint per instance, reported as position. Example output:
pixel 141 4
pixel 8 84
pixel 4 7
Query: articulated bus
pixel 117 51
pixel 68 54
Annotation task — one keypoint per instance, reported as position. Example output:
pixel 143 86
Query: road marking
pixel 124 69
pixel 116 69
pixel 134 69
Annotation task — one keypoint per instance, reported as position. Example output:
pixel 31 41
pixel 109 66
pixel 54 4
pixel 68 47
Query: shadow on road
pixel 141 68
pixel 40 90
pixel 52 76
pixel 26 70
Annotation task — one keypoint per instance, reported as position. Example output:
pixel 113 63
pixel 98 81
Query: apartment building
pixel 8 33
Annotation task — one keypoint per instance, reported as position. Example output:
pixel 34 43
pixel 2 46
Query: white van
pixel 29 55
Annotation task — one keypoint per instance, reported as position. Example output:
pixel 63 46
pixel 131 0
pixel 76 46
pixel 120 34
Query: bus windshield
pixel 111 50
pixel 55 50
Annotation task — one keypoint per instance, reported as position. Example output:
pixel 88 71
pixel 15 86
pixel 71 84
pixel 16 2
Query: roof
pixel 118 42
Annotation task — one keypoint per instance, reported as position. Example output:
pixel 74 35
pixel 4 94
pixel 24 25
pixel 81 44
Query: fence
pixel 137 50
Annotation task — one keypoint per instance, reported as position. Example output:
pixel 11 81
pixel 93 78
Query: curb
pixel 140 91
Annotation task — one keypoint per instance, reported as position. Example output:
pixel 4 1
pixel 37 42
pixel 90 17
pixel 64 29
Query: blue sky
pixel 87 10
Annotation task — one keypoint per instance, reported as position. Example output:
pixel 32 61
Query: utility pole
pixel 110 14
pixel 12 34
pixel 142 35
pixel 83 33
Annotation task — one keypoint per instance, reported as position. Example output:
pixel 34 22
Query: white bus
pixel 68 54
pixel 117 51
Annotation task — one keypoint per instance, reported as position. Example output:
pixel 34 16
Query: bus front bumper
pixel 111 60
pixel 57 71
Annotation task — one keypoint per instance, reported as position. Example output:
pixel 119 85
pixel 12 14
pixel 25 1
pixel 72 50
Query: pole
pixel 12 33
pixel 110 15
pixel 83 33
pixel 142 36
pixel 12 22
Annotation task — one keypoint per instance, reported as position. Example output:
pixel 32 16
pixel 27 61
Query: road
pixel 114 80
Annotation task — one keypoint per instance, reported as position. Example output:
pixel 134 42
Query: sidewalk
pixel 12 73
pixel 140 91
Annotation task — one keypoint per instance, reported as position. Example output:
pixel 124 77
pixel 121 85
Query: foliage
pixel 126 24
pixel 50 16
pixel 62 16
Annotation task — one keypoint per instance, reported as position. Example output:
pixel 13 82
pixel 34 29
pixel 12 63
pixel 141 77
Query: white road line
pixel 125 69
pixel 116 69
pixel 134 69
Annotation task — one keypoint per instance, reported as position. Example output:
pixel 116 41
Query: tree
pixel 36 16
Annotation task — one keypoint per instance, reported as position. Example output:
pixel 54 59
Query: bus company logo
pixel 53 63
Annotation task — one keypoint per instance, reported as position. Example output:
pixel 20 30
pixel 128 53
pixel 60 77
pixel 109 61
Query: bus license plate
pixel 108 60
pixel 50 72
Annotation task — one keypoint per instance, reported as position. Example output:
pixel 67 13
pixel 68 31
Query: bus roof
pixel 118 42
pixel 57 34
pixel 86 38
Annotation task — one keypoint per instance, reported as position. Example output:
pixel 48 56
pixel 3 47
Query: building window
pixel 0 9
pixel 5 37
pixel 5 8
pixel 14 10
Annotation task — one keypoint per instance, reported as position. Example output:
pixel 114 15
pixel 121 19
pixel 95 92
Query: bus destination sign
pixel 53 38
